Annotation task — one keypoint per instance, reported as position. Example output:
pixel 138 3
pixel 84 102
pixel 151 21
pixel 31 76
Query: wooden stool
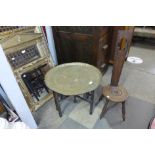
pixel 116 94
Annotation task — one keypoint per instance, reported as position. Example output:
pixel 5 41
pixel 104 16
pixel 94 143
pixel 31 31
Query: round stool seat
pixel 115 94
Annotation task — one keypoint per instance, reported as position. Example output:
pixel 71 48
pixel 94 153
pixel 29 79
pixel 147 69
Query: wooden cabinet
pixel 88 44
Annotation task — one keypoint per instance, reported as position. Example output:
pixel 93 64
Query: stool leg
pixel 92 102
pixel 123 110
pixel 104 109
pixel 57 104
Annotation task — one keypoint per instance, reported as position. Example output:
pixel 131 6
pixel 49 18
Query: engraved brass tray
pixel 73 78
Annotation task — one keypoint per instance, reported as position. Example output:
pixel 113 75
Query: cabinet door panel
pixel 76 51
pixel 67 51
pixel 74 44
pixel 83 51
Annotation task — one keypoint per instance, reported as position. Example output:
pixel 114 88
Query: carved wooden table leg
pixel 75 99
pixel 91 102
pixel 56 99
pixel 86 96
pixel 104 109
pixel 123 110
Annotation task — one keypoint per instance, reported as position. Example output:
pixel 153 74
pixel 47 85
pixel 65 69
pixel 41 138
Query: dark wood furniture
pixel 114 41
pixel 115 92
pixel 88 97
pixel 90 44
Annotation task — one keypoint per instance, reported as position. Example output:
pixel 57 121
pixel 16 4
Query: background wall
pixel 51 44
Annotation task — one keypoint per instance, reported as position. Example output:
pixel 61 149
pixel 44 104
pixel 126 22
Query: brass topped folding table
pixel 73 79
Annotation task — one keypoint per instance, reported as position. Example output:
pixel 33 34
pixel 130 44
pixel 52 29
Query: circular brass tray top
pixel 115 94
pixel 73 78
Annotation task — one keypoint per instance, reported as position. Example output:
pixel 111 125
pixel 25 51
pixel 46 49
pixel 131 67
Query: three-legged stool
pixel 116 94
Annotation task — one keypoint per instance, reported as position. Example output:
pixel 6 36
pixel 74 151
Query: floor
pixel 138 79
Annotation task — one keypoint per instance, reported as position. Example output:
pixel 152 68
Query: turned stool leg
pixel 104 109
pixel 57 103
pixel 123 110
